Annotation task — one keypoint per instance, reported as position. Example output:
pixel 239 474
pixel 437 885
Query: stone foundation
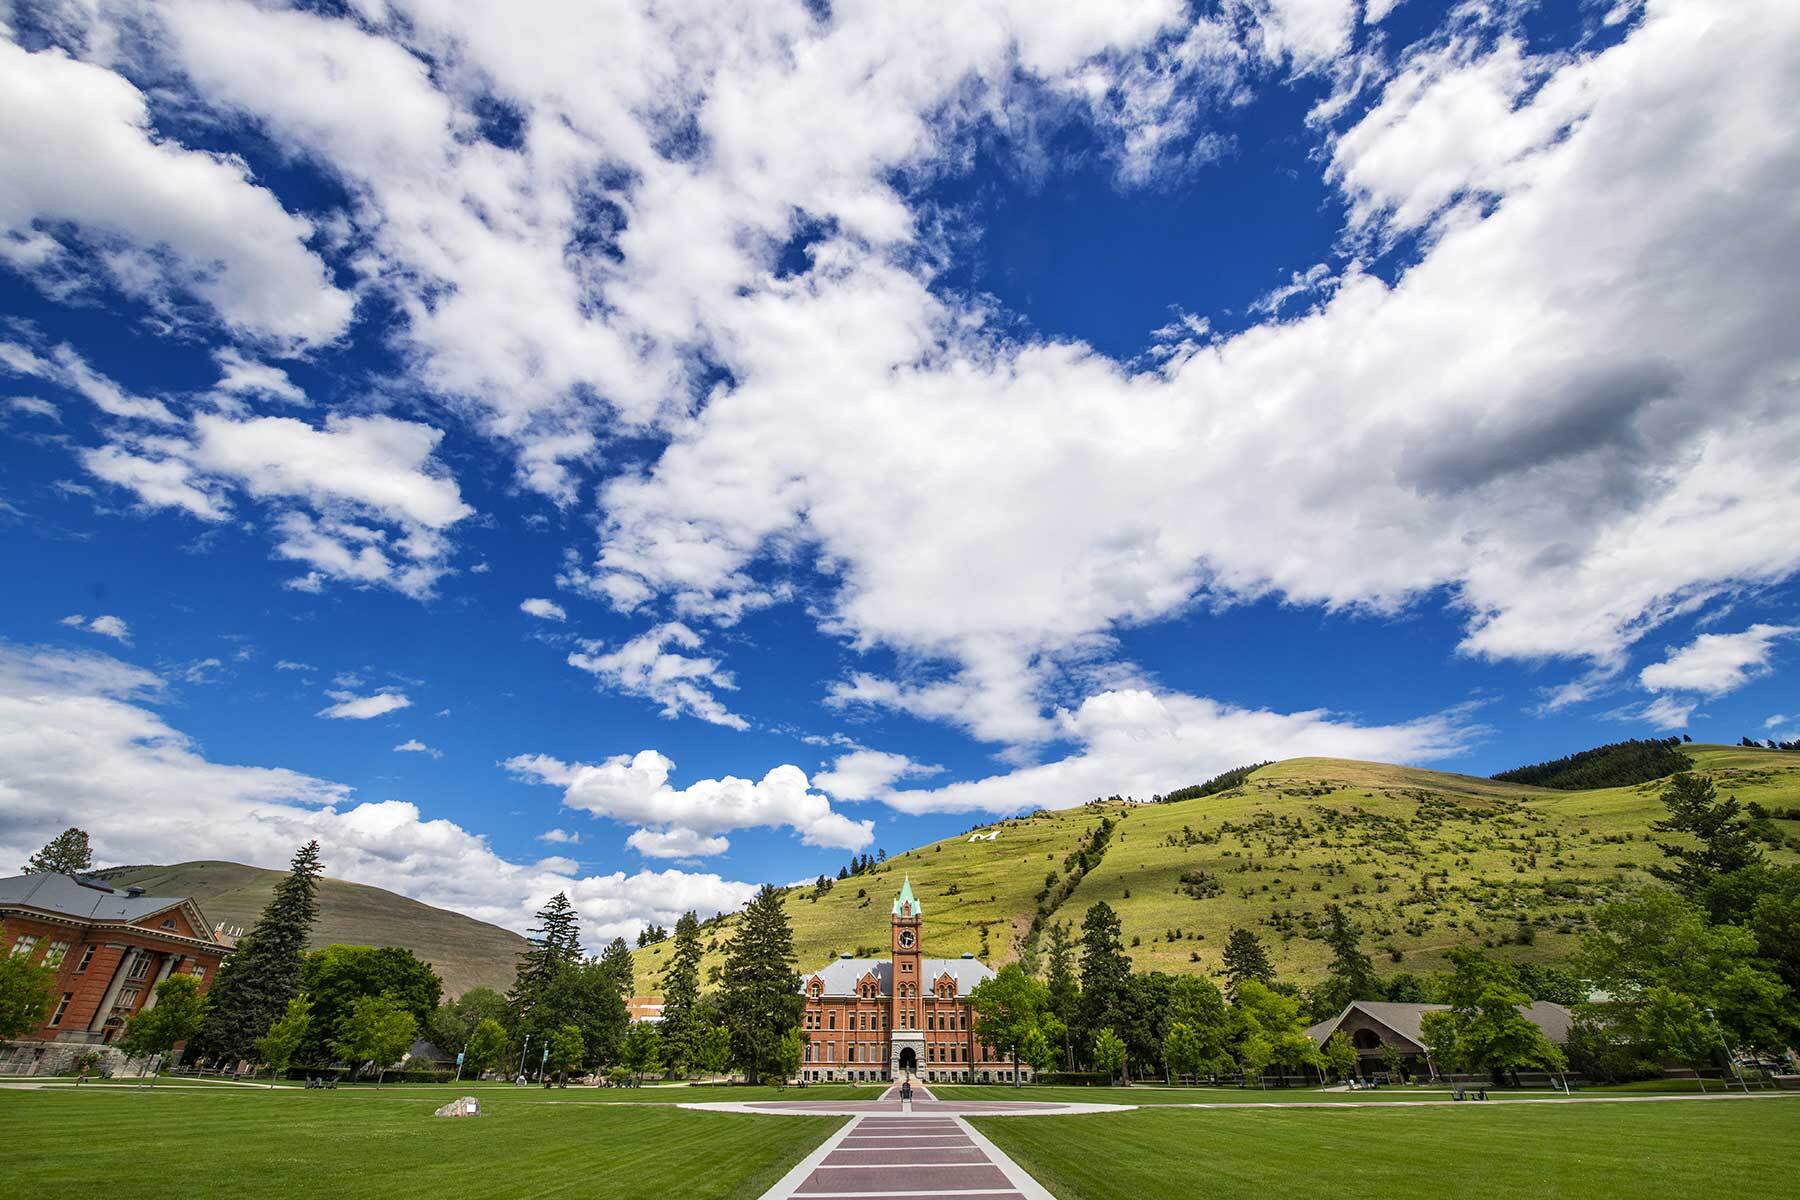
pixel 59 1058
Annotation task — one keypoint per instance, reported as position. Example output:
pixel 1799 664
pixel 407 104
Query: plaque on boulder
pixel 462 1106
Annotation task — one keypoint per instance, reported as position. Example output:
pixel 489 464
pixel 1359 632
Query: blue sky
pixel 652 460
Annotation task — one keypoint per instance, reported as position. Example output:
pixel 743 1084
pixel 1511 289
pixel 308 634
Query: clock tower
pixel 907 1029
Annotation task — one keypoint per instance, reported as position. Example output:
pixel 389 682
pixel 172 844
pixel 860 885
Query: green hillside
pixel 466 953
pixel 1423 860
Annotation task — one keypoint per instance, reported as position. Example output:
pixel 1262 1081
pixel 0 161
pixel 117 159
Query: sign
pixel 459 1060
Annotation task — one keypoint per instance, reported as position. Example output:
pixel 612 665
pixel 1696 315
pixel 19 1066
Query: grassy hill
pixel 1423 860
pixel 466 953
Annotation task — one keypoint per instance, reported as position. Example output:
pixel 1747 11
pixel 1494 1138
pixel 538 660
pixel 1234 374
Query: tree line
pixel 1617 764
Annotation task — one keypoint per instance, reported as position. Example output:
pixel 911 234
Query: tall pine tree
pixel 1245 959
pixel 555 942
pixel 1105 969
pixel 681 995
pixel 760 998
pixel 1065 992
pixel 1351 975
pixel 67 854
pixel 615 967
pixel 263 974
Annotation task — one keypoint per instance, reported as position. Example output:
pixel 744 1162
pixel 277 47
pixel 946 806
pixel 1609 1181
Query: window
pixel 906 967
pixel 127 998
pixel 199 973
pixel 61 1008
pixel 53 957
pixel 25 945
pixel 831 1019
pixel 87 956
pixel 140 967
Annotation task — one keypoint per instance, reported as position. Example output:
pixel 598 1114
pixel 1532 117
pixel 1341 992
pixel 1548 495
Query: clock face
pixel 906 939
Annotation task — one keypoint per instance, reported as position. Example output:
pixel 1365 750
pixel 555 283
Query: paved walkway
pixel 907 1158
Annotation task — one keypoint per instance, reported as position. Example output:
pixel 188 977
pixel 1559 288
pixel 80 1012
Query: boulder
pixel 462 1106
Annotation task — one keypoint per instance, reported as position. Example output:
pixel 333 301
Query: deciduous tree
pixel 378 1031
pixel 26 993
pixel 278 1046
pixel 1008 1008
pixel 174 1019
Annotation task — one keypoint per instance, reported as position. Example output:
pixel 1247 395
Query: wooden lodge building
pixel 109 948
pixel 878 1019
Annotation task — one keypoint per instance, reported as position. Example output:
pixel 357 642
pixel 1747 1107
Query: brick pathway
pixel 907 1156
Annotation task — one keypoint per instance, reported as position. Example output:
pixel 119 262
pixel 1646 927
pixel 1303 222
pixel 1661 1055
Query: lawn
pixel 1145 1094
pixel 1629 1151
pixel 245 1144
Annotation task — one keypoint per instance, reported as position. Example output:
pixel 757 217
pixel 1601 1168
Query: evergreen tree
pixel 1245 959
pixel 553 943
pixel 1722 831
pixel 615 966
pixel 681 995
pixel 67 854
pixel 263 974
pixel 1351 975
pixel 1065 992
pixel 1105 968
pixel 760 1000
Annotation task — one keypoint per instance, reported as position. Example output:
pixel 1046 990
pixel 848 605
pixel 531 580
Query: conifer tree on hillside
pixel 555 942
pixel 760 999
pixel 67 854
pixel 1065 992
pixel 1105 968
pixel 615 967
pixel 263 974
pixel 1351 975
pixel 681 995
pixel 1720 827
pixel 1245 959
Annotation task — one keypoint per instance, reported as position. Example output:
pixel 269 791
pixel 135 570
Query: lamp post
pixel 1713 1017
pixel 522 1050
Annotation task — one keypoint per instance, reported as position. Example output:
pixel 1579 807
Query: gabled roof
pixel 906 897
pixel 842 975
pixel 1406 1020
pixel 91 900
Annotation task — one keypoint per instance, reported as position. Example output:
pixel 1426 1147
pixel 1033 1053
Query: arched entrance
pixel 909 1061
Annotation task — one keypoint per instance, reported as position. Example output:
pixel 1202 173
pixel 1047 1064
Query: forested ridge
pixel 1618 764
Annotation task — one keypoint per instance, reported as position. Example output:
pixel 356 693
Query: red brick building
pixel 870 1019
pixel 109 947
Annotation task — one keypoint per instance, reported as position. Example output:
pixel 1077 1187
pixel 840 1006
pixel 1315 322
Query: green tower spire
pixel 906 897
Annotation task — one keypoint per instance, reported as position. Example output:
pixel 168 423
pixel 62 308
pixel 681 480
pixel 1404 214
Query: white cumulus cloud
pixel 547 610
pixel 351 707
pixel 1716 663
pixel 634 789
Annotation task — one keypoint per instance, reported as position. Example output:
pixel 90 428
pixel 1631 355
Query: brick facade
pixel 869 1020
pixel 108 960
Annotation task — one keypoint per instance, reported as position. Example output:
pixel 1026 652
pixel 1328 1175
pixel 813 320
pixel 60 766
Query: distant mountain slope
pixel 467 953
pixel 1423 860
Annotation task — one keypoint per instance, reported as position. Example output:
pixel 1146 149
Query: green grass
pixel 441 1092
pixel 1158 1094
pixel 1628 1151
pixel 247 1144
